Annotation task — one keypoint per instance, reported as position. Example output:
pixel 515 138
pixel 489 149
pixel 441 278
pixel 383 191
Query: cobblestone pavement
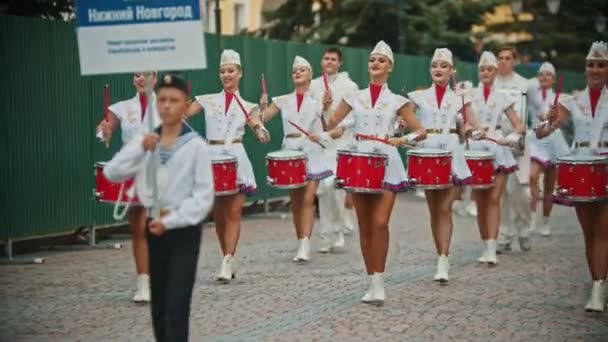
pixel 534 296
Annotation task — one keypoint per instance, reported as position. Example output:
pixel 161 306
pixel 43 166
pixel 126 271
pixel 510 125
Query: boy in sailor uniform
pixel 174 181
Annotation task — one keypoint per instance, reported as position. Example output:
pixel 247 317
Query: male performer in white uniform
pixel 515 214
pixel 335 219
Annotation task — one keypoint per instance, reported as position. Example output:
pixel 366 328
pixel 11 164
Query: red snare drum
pixel 361 171
pixel 109 192
pixel 429 169
pixel 286 169
pixel 481 164
pixel 582 178
pixel 225 175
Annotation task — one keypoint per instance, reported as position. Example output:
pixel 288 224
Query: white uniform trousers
pixel 331 211
pixel 515 214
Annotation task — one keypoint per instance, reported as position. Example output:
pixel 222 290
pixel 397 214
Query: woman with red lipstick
pixel 225 125
pixel 375 111
pixel 301 108
pixel 588 109
pixel 439 107
pixel 132 117
pixel 489 107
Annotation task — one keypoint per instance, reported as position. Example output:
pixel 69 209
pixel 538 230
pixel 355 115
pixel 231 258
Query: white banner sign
pixel 120 36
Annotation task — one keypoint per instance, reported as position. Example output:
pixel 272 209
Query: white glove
pixel 99 135
pixel 262 134
pixel 410 138
pixel 513 138
pixel 325 138
pixel 476 134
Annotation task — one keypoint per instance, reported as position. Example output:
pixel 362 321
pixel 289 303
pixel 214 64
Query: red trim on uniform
pixel 143 103
pixel 486 92
pixel 439 92
pixel 374 91
pixel 229 96
pixel 299 100
pixel 594 96
pixel 544 94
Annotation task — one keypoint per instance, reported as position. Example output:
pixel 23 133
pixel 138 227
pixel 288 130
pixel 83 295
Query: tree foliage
pixel 425 24
pixel 49 9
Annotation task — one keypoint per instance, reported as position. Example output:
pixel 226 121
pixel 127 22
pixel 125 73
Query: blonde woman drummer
pixel 543 152
pixel 374 112
pixel 225 123
pixel 301 108
pixel 489 107
pixel 133 116
pixel 588 109
pixel 439 107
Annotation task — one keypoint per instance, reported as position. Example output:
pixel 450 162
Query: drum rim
pixel 288 187
pixel 434 187
pixel 489 155
pixel 600 160
pixel 362 190
pixel 123 203
pixel 227 158
pixel 227 192
pixel 101 163
pixel 481 186
pixel 362 154
pixel 301 155
pixel 441 153
pixel 580 198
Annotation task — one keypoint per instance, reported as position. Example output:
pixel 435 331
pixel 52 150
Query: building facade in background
pixel 236 15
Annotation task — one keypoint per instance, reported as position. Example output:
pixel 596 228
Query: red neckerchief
pixel 439 92
pixel 374 91
pixel 299 100
pixel 594 96
pixel 544 94
pixel 229 96
pixel 143 103
pixel 486 92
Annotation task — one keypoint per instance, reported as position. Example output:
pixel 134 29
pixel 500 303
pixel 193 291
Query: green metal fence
pixel 49 115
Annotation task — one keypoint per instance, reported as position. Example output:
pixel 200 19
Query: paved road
pixel 536 296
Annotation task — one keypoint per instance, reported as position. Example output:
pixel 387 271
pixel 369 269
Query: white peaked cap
pixel 443 54
pixel 547 67
pixel 598 52
pixel 382 48
pixel 487 58
pixel 230 57
pixel 301 62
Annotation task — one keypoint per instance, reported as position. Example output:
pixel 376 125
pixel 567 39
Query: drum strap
pixel 117 214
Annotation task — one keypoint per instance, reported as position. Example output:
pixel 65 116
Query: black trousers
pixel 173 258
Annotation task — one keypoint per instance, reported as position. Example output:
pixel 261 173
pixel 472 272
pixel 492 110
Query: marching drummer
pixel 516 215
pixel 336 214
pixel 132 116
pixel 226 116
pixel 374 111
pixel 588 109
pixel 174 181
pixel 489 107
pixel 439 107
pixel 301 116
pixel 543 152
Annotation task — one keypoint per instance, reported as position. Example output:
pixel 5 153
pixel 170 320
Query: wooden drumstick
pixel 106 106
pixel 305 132
pixel 247 116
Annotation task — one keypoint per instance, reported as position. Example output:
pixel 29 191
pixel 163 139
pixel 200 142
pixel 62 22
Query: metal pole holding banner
pixel 218 17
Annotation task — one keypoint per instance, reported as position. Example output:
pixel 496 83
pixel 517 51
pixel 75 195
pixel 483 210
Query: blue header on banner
pixel 124 12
